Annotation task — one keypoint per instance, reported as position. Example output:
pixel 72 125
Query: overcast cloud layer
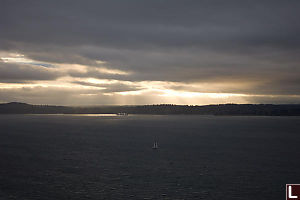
pixel 144 52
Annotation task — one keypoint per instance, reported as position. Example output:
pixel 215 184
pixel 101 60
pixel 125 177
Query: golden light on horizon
pixel 82 81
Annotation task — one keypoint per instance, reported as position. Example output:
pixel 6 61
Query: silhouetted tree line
pixel 162 109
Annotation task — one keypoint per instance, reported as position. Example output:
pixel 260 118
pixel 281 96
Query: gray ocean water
pixel 110 157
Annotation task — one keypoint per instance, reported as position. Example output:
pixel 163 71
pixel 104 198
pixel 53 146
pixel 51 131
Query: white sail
pixel 155 145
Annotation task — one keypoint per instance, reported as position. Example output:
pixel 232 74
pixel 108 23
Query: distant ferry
pixel 155 145
pixel 122 114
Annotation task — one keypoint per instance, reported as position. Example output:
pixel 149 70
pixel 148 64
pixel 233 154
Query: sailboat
pixel 155 145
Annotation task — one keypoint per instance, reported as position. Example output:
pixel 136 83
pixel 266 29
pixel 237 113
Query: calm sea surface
pixel 110 157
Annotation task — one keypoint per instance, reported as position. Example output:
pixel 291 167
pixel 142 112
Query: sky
pixel 133 52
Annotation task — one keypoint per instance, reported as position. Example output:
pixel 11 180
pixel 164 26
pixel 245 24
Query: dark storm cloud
pixel 169 40
pixel 19 73
pixel 159 23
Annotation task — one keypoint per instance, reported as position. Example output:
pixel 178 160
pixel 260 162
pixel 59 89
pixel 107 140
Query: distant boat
pixel 122 114
pixel 155 145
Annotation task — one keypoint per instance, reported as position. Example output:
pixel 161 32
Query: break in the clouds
pixel 143 52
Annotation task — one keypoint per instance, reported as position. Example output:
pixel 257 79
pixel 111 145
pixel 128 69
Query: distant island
pixel 161 109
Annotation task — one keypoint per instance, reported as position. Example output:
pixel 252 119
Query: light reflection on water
pixel 82 115
pixel 95 115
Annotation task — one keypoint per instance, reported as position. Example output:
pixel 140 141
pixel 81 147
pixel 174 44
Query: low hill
pixel 162 109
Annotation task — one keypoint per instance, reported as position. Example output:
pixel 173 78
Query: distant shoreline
pixel 116 116
pixel 162 109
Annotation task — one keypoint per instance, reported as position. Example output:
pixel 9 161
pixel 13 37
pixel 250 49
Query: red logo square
pixel 292 191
